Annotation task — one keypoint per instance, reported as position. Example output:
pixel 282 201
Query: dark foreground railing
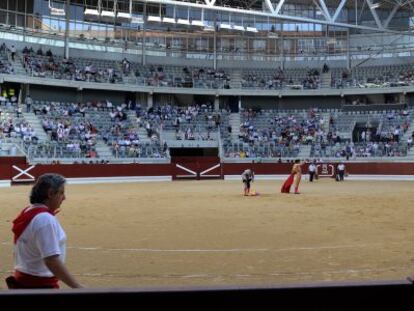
pixel 391 295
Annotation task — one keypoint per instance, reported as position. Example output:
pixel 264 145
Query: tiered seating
pixel 275 134
pixel 71 133
pixel 373 76
pixel 80 69
pixel 297 78
pixel 5 66
pixel 175 76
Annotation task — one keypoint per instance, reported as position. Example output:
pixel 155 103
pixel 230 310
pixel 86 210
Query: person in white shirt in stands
pixel 39 240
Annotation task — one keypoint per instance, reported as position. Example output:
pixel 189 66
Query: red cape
pixel 288 183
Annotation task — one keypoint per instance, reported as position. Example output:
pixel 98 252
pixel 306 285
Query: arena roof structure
pixel 371 15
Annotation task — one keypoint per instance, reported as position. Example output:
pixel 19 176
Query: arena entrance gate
pixel 196 163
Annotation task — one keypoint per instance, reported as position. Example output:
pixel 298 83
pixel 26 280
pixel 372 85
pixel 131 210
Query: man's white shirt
pixel 43 237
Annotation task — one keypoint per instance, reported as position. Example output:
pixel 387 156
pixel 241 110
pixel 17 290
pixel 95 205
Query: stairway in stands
pixel 326 80
pixel 236 77
pixel 234 122
pixel 103 150
pixel 36 124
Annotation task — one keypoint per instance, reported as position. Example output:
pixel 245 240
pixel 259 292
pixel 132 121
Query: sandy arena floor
pixel 206 233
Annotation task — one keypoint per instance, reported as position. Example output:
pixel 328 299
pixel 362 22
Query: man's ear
pixel 50 193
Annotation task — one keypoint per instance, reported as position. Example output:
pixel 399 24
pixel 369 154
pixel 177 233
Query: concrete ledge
pixel 5 183
pixel 381 177
pixel 122 179
pixel 257 177
pixel 350 177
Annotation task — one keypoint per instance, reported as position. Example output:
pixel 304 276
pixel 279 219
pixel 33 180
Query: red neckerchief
pixel 24 219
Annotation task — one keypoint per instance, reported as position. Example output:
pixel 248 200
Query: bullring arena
pixel 205 233
pixel 153 110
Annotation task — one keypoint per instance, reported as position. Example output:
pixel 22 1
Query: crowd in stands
pixel 40 63
pixel 175 76
pixel 373 76
pixel 273 134
pixel 45 64
pixel 278 134
pixel 74 129
pixel 279 78
pixel 5 66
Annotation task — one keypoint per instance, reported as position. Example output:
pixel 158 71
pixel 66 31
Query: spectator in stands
pixel 39 52
pixel 28 101
pixel 40 240
pixel 49 53
pixel 410 142
pixel 13 52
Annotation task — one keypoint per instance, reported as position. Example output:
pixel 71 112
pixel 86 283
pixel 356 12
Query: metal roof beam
pixel 279 7
pixel 374 13
pixel 338 10
pixel 324 9
pixel 390 17
pixel 269 5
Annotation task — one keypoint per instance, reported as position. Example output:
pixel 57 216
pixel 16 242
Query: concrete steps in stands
pixel 36 124
pixel 236 79
pixel 234 122
pixel 142 132
pixel 103 150
pixel 326 80
pixel 304 152
pixel 18 65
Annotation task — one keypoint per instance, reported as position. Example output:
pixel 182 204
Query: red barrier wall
pixel 12 160
pixel 7 172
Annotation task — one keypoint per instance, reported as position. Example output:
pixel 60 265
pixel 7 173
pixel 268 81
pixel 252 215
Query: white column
pixel 216 103
pixel 150 100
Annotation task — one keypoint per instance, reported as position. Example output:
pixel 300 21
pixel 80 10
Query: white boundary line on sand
pixel 132 179
pixel 118 179
pixel 350 177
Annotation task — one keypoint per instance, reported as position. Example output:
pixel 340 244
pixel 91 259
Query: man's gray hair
pixel 40 190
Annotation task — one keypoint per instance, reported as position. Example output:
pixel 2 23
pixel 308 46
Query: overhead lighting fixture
pixel 56 11
pixel 225 26
pixel 239 27
pixel 108 15
pixel 183 21
pixel 137 20
pixel 251 29
pixel 198 23
pixel 123 16
pixel 168 20
pixel 156 19
pixel 375 5
pixel 91 14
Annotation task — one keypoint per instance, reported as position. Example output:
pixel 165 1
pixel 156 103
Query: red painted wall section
pixel 352 168
pixel 258 168
pixel 12 160
pixel 89 170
